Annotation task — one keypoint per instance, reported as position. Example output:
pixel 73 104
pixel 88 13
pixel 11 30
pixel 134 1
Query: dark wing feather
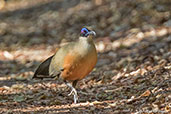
pixel 43 69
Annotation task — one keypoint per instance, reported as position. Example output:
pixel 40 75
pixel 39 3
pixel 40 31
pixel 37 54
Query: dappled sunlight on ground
pixel 134 56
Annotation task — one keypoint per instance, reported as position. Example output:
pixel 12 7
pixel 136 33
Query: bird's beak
pixel 92 33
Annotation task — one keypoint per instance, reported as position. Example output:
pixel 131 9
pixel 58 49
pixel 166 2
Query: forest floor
pixel 133 73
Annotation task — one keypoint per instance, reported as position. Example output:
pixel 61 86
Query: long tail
pixel 43 69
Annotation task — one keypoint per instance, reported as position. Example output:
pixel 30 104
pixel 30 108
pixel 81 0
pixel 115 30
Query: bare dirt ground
pixel 133 73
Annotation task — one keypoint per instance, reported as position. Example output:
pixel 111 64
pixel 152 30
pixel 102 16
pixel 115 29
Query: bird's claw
pixel 73 91
pixel 75 96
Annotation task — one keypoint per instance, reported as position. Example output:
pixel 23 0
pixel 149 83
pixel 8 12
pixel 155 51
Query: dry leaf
pixel 146 93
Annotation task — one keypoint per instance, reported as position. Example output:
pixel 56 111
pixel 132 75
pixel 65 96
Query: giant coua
pixel 72 62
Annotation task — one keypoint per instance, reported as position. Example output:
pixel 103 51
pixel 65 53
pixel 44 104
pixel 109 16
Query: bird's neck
pixel 85 42
pixel 85 45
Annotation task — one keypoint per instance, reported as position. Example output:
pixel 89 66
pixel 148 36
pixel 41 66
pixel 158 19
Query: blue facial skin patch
pixel 85 31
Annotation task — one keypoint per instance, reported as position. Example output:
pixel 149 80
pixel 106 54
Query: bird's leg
pixel 73 85
pixel 70 92
pixel 73 90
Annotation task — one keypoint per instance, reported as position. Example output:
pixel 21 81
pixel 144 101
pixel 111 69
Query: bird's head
pixel 87 32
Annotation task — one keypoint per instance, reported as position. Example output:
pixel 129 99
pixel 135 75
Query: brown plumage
pixel 71 62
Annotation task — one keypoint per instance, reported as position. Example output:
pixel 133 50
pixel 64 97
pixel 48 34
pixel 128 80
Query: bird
pixel 72 62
